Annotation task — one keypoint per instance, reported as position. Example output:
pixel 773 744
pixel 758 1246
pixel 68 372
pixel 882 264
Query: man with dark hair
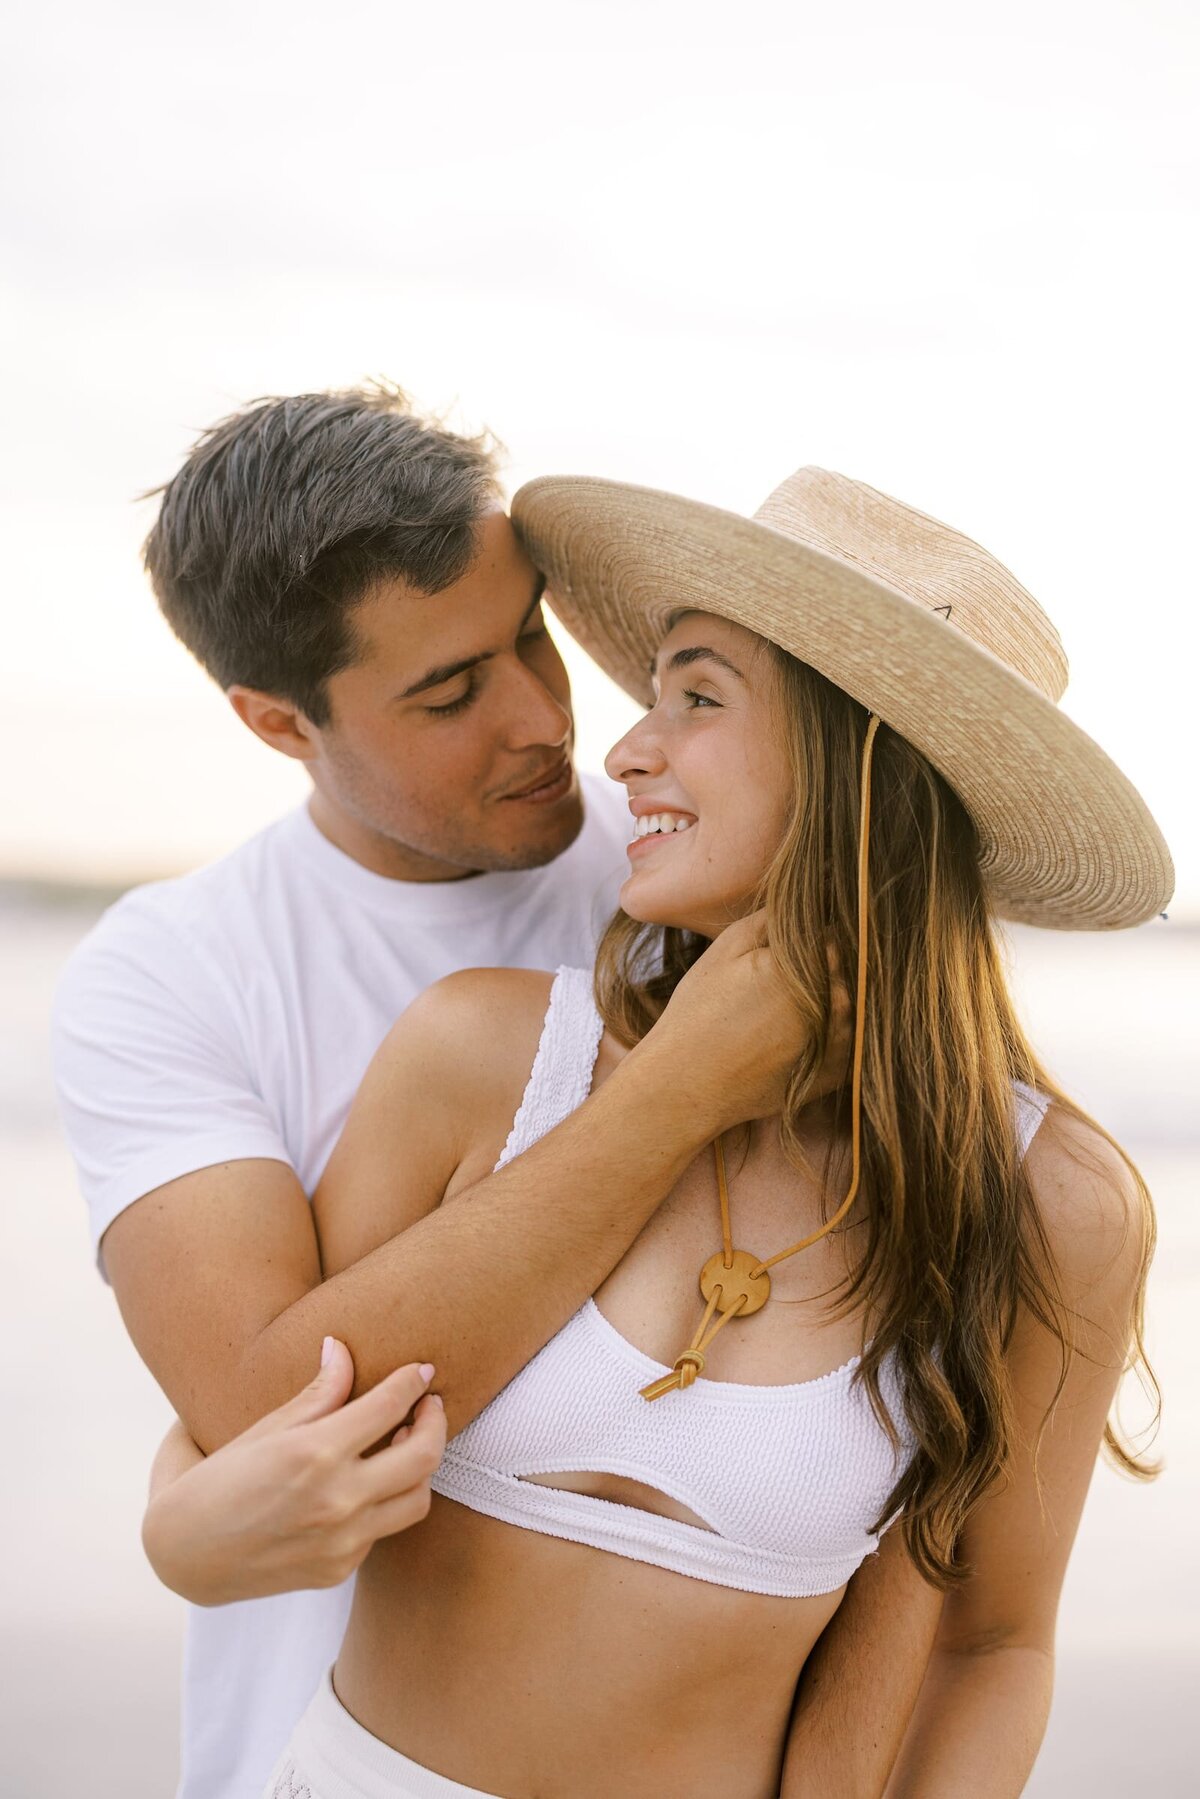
pixel 304 550
pixel 346 572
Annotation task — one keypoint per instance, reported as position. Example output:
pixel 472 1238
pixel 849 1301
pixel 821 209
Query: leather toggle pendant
pixel 732 1289
pixel 737 1283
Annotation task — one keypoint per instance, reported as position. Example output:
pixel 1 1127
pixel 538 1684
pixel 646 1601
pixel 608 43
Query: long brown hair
pixel 954 1240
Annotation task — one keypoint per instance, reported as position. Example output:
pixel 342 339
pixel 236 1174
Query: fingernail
pixel 427 1372
pixel 437 1400
pixel 326 1351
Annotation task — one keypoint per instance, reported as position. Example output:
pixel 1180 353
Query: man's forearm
pixel 175 1455
pixel 978 1726
pixel 478 1286
pixel 860 1684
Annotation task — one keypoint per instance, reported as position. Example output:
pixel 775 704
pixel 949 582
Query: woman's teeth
pixel 660 821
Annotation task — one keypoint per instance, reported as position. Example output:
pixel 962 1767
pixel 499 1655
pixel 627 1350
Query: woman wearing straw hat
pixel 906 1306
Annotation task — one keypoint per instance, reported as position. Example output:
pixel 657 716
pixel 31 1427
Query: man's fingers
pixel 329 1389
pixel 375 1414
pixel 745 933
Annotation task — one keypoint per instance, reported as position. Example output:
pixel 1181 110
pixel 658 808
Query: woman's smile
pixel 656 821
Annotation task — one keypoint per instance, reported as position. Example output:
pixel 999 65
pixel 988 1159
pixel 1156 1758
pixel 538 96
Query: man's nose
pixel 537 716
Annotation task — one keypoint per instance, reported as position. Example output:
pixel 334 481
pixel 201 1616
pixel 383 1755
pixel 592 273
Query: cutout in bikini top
pixel 787 1478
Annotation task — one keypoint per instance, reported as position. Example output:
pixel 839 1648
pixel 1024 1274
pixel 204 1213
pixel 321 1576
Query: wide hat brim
pixel 1066 840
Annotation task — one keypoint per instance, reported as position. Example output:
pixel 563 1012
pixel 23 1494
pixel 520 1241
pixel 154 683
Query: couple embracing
pixel 719 1306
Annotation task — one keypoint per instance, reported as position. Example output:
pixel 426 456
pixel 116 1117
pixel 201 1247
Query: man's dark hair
pixel 287 514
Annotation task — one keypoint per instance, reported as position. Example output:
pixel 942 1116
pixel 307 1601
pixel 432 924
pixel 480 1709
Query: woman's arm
pixel 982 1712
pixel 861 1681
pixel 295 1501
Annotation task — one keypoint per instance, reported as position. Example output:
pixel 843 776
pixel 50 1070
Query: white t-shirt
pixel 230 1014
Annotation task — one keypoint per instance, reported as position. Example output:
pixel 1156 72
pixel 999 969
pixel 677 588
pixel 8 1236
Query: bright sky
pixel 949 250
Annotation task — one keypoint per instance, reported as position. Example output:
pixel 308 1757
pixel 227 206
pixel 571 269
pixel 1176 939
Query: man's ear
pixel 278 722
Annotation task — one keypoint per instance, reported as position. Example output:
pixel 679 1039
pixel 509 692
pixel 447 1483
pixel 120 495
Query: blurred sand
pixel 89 1643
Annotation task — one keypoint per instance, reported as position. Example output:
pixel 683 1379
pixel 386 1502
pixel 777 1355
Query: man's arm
pixel 175 1456
pixel 860 1684
pixel 218 1274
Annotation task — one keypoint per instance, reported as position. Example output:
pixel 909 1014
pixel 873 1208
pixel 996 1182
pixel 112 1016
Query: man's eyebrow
pixel 698 653
pixel 434 677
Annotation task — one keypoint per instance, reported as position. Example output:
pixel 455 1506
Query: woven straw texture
pixel 914 620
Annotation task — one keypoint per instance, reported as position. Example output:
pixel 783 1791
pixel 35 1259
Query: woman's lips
pixel 638 846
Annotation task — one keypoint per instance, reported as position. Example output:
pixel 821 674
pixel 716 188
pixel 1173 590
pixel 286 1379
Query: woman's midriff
pixel 540 1669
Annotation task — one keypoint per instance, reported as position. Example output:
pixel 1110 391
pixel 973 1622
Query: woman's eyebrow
pixel 698 653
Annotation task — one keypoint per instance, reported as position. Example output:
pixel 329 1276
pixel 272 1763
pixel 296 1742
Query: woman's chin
pixel 671 912
pixel 641 916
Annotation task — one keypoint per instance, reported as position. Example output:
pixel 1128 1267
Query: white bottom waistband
pixel 331 1756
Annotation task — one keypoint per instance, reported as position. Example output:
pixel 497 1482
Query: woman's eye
pixel 699 699
pixel 458 705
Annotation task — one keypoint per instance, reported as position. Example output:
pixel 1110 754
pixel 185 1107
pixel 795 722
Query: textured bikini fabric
pixel 788 1478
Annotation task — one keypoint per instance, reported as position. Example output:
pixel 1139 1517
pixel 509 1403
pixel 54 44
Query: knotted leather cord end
pixel 691 1362
pixel 687 1367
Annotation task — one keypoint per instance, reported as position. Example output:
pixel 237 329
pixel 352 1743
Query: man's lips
pixel 551 784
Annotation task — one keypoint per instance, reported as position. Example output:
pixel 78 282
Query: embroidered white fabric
pixel 787 1478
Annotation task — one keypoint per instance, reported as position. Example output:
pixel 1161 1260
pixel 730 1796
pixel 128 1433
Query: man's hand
pixel 295 1501
pixel 733 1032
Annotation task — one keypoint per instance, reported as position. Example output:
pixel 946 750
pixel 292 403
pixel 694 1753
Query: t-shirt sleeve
pixel 149 1066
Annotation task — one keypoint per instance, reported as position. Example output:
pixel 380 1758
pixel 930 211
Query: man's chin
pixel 544 841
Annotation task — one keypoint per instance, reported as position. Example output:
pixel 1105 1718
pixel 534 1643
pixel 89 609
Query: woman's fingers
pixel 400 1475
pixel 400 1513
pixel 410 1458
pixel 377 1413
pixel 325 1393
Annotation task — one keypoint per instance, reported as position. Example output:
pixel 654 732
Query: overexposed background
pixel 948 249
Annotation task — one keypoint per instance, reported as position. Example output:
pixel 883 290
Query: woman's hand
pixel 295 1501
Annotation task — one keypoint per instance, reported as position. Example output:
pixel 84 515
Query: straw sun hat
pixel 912 619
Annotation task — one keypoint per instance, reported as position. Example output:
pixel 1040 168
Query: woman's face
pixel 707 765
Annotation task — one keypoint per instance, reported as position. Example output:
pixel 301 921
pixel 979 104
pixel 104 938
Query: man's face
pixel 449 744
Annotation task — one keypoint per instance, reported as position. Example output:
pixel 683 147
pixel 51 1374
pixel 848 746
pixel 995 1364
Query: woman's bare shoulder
pixel 480 1022
pixel 486 1024
pixel 486 987
pixel 1090 1205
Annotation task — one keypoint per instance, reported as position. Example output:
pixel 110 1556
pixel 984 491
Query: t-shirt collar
pixel 469 897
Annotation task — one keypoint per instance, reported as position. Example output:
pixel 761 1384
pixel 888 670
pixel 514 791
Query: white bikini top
pixel 788 1478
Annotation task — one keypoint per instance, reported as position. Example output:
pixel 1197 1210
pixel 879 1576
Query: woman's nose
pixel 639 752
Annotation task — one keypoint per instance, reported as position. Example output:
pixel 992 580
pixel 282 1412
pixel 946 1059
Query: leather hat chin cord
pixel 734 1282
